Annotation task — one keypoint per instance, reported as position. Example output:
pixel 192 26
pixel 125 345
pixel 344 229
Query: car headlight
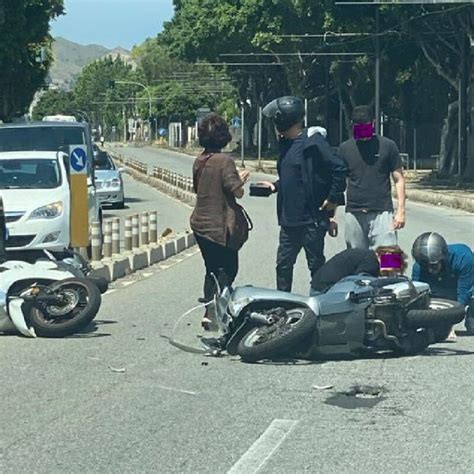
pixel 113 183
pixel 50 211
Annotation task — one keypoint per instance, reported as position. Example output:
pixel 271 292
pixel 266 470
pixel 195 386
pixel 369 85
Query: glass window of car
pixel 47 138
pixel 104 162
pixel 29 174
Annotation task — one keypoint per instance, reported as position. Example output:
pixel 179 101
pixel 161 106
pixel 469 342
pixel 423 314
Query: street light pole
pixel 149 98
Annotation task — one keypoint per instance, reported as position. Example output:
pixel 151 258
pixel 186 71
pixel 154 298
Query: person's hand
pixel 328 206
pixel 244 175
pixel 268 184
pixel 333 228
pixel 399 220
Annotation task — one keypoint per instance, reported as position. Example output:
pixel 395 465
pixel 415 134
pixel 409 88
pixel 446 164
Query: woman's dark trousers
pixel 221 261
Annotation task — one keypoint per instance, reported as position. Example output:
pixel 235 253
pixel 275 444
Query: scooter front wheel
pixel 267 342
pixel 79 303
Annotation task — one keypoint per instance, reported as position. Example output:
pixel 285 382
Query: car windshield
pixel 29 174
pixel 103 162
pixel 46 138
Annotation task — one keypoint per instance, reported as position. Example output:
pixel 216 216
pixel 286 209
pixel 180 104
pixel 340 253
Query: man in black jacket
pixel 312 180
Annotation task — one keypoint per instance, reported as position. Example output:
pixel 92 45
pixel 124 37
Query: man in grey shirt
pixel 371 161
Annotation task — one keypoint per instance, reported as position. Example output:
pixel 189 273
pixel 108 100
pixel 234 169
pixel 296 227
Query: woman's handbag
pixel 239 234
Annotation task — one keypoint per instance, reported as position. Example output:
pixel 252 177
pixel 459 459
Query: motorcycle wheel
pixel 81 304
pixel 441 332
pixel 267 342
pixel 441 313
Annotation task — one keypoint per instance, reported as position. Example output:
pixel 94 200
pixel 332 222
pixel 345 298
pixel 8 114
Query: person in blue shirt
pixel 448 269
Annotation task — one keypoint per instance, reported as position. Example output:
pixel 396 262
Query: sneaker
pixel 469 323
pixel 452 337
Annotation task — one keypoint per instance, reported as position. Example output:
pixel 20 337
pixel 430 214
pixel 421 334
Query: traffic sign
pixel 79 214
pixel 78 159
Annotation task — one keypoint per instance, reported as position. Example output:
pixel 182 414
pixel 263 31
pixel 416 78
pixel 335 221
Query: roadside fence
pixel 179 181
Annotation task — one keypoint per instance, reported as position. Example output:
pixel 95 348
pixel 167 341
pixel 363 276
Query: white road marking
pixel 261 451
pixel 109 292
pixel 128 283
pixel 164 387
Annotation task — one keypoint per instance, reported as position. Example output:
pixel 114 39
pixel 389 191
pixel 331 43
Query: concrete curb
pixel 464 203
pixel 129 262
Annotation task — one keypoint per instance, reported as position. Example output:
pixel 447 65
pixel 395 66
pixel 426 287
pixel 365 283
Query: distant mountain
pixel 70 58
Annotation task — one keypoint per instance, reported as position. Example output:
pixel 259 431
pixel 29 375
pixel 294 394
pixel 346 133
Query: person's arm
pixel 399 180
pixel 337 168
pixel 272 185
pixel 416 272
pixel 233 181
pixel 465 273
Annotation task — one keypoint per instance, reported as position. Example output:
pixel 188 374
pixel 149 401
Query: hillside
pixel 70 58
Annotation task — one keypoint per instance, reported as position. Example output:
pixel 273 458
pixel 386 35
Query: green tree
pixel 54 102
pixel 24 31
pixel 98 94
pixel 180 87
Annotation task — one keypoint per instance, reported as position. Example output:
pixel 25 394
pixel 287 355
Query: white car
pixel 36 197
pixel 108 181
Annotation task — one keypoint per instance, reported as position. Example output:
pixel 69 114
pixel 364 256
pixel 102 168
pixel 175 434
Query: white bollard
pixel 95 241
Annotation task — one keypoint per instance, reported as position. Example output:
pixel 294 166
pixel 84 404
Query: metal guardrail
pixel 175 179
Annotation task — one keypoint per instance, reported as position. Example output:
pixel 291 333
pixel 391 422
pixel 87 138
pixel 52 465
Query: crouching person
pixel 448 269
pixel 384 261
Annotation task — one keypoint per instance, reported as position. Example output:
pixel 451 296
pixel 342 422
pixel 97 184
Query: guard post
pixel 79 218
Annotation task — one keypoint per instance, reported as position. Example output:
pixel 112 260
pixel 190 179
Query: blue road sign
pixel 78 160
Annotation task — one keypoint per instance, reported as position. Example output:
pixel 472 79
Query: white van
pixel 59 118
pixel 36 197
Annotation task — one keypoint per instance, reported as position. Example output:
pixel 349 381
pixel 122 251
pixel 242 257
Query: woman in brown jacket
pixel 219 223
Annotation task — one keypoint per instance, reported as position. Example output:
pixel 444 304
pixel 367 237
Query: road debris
pixel 323 387
pixel 120 370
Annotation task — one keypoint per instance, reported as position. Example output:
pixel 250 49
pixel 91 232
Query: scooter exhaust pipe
pixel 262 318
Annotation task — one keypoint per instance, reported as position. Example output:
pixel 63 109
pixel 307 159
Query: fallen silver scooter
pixel 357 315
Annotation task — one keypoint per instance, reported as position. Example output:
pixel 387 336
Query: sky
pixel 112 23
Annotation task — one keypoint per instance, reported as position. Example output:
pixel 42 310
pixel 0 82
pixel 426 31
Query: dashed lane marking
pixel 265 446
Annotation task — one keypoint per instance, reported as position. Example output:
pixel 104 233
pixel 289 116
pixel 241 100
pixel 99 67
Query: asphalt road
pixel 121 399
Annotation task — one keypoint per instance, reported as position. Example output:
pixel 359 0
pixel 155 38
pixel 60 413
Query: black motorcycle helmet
pixel 430 248
pixel 285 112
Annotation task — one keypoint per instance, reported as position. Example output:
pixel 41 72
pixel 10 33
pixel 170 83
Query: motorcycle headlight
pixel 50 211
pixel 235 307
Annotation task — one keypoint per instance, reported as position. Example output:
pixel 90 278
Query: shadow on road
pixel 444 351
pixel 90 330
pixel 134 199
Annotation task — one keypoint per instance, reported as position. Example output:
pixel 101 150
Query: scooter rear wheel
pixel 267 342
pixel 442 312
pixel 81 304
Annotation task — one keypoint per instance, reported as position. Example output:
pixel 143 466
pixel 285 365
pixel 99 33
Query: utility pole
pixel 377 70
pixel 242 136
